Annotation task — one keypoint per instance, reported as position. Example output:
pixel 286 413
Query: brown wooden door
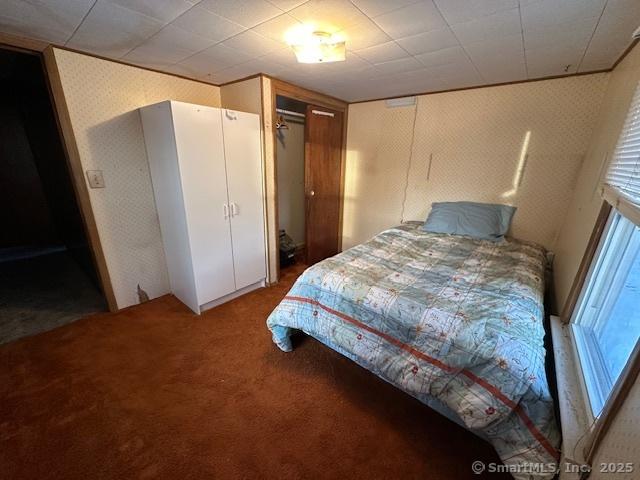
pixel 323 160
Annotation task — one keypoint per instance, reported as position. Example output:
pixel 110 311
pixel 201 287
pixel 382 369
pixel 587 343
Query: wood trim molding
pixel 30 45
pixel 34 46
pixel 274 140
pixel 128 64
pixel 77 173
pixel 585 263
pixel 478 87
pixel 625 53
pixel 551 77
pixel 305 95
pixel 285 89
pixel 24 44
pixel 343 169
pixel 243 79
pixel 267 207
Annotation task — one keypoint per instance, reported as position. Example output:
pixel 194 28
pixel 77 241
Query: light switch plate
pixel 96 180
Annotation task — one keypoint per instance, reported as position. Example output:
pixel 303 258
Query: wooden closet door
pixel 200 149
pixel 323 161
pixel 243 155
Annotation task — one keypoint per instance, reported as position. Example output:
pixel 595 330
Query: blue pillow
pixel 478 220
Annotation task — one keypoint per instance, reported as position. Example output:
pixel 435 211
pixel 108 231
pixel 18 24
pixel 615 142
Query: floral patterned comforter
pixel 444 317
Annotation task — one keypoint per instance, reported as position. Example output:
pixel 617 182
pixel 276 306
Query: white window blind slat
pixel 623 175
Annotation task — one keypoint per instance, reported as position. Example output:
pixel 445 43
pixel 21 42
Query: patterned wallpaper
pixel 586 202
pixel 622 443
pixel 520 144
pixel 103 98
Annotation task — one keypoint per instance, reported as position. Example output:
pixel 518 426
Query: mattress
pixel 455 322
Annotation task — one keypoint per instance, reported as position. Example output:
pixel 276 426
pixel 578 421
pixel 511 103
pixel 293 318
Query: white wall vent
pixel 400 102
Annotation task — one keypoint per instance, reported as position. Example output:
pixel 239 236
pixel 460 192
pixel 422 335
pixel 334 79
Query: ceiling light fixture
pixel 317 47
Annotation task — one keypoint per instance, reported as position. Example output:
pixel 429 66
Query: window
pixel 606 322
pixel 623 176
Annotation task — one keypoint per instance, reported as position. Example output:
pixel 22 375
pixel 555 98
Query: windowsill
pixel 573 414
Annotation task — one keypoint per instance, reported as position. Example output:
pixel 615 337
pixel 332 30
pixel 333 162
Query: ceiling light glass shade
pixel 319 47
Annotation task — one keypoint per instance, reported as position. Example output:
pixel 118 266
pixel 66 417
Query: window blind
pixel 622 183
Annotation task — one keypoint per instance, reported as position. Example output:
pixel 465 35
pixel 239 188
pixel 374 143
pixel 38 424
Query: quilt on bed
pixel 440 316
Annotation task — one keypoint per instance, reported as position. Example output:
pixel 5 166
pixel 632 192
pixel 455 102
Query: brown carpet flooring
pixel 157 392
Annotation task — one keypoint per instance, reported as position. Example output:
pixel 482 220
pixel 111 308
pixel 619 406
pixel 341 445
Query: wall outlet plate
pixel 96 180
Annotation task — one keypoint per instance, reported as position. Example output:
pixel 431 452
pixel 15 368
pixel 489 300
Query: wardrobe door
pixel 200 149
pixel 244 179
pixel 159 137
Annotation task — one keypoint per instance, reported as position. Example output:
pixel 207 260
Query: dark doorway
pixel 290 157
pixel 47 275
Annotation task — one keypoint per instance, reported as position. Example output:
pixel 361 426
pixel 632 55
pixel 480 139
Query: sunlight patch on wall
pixel 520 169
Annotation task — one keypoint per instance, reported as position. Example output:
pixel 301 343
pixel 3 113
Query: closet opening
pixel 309 179
pixel 47 274
pixel 290 139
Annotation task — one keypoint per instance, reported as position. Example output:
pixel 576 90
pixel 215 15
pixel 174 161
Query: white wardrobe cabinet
pixel 206 169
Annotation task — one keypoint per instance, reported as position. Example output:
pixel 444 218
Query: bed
pixel 454 321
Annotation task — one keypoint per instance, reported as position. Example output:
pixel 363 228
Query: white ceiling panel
pixel 623 8
pixel 460 70
pixel 547 62
pixel 277 27
pixel 385 52
pixel 284 57
pixel 202 22
pixel 496 49
pixel 595 60
pixel 364 34
pixel 536 13
pixel 54 21
pixel 393 46
pixel 287 5
pixel 501 24
pixel 253 44
pixel 443 56
pixel 411 20
pixel 260 65
pixel 373 8
pixel 163 10
pixel 509 70
pixel 460 11
pixel 574 34
pixel 328 15
pixel 398 66
pixel 429 41
pixel 170 45
pixel 612 36
pixel 248 13
pixel 214 59
pixel 235 72
pixel 113 30
pixel 179 69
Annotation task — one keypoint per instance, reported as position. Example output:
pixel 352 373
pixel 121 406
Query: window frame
pixel 608 267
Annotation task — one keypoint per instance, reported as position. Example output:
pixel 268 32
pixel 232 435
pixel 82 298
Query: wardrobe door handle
pixel 234 209
pixel 225 209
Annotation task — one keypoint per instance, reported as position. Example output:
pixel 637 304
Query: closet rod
pixel 289 112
